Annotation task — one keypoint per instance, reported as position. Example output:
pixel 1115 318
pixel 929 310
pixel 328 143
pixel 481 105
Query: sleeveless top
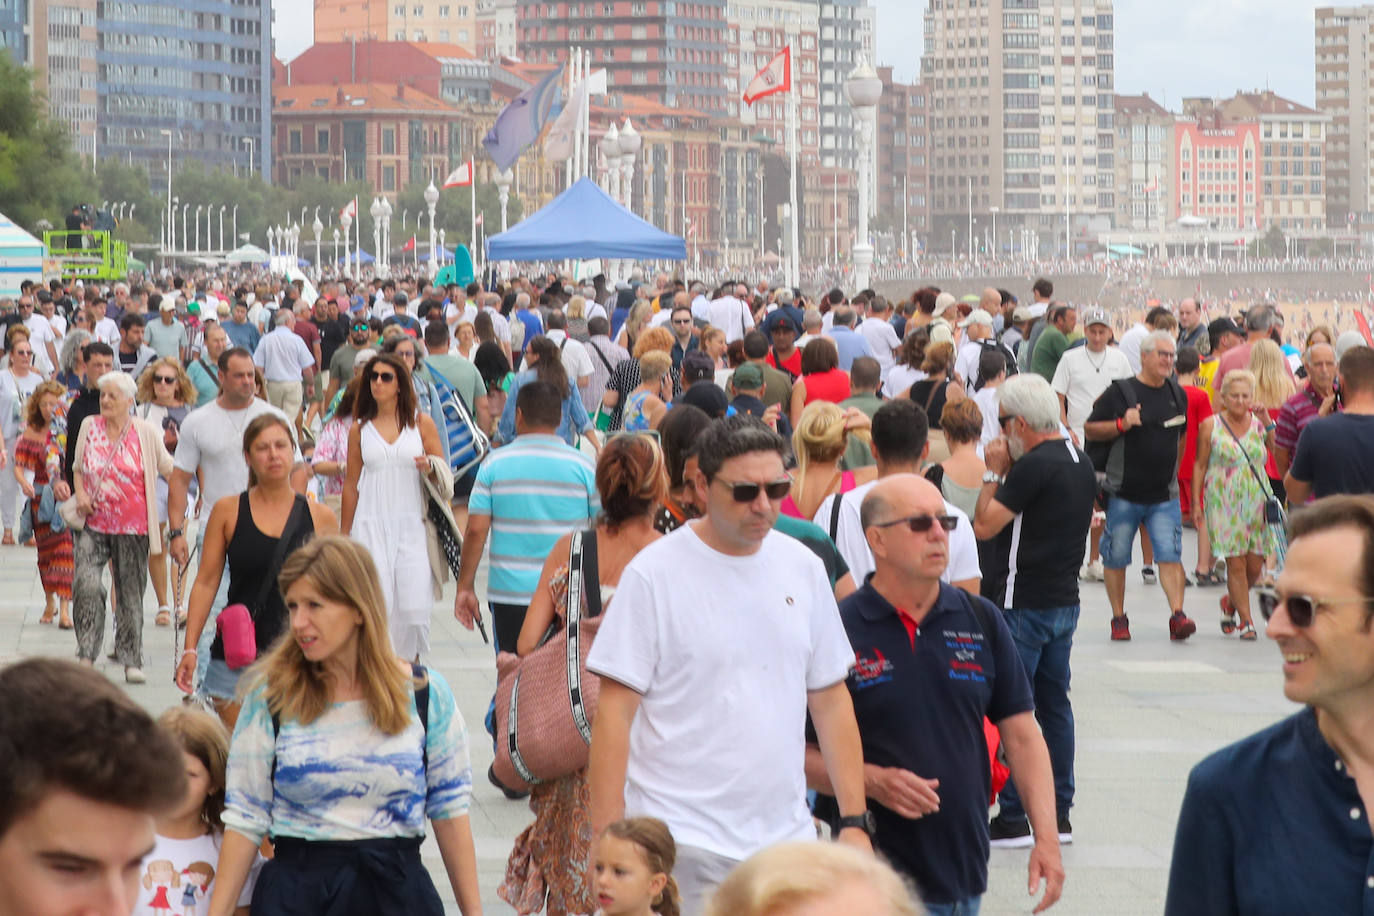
pixel 831 385
pixel 789 507
pixel 633 418
pixel 249 555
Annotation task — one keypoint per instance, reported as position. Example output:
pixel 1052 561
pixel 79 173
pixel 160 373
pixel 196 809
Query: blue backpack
pixel 467 445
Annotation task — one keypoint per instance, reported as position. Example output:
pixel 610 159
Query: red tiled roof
pixel 353 97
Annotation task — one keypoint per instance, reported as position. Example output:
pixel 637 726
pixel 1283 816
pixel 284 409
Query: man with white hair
pixel 287 365
pixel 812 323
pixel 1042 487
pixel 1145 420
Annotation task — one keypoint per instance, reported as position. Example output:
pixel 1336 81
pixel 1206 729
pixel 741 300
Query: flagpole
pixel 792 143
pixel 586 121
pixel 572 81
pixel 358 237
pixel 472 171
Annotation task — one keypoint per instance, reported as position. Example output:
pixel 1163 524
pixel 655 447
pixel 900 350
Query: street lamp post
pixel 863 88
pixel 250 141
pixel 376 211
pixel 432 200
pixel 222 208
pixel 994 231
pixel 610 150
pixel 271 250
pixel 235 229
pixel 318 228
pixel 336 247
pixel 171 236
pixel 172 223
pixel 503 183
pixel 185 229
pixel 630 143
pixel 386 235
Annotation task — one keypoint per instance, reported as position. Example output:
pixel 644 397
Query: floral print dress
pixel 1233 499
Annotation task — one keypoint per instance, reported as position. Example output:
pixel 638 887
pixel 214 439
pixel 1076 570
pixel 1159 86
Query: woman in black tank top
pixel 245 531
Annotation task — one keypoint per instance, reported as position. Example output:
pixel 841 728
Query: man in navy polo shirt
pixel 929 665
pixel 1042 486
pixel 1277 822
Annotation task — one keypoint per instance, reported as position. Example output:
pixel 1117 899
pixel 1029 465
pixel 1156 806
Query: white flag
pixel 460 177
pixel 776 77
pixel 558 145
pixel 351 210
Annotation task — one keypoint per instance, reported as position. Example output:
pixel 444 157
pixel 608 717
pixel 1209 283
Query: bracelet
pixel 186 652
pixel 1120 426
pixel 1271 427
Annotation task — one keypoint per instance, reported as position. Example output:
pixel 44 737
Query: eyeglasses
pixel 362 327
pixel 1166 354
pixel 18 352
pixel 1005 418
pixel 920 524
pixel 387 377
pixel 748 492
pixel 682 321
pixel 165 379
pixel 1300 607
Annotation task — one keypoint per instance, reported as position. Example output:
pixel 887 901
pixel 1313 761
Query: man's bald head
pixel 990 301
pixel 899 496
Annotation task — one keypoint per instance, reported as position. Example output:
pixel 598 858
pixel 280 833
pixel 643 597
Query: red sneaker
pixel 1180 627
pixel 1121 628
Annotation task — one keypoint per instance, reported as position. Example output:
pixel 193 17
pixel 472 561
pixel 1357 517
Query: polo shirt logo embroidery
pixel 871 671
pixel 964 648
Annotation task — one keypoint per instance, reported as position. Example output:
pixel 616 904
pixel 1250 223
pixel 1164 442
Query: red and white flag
pixel 479 221
pixel 776 77
pixel 351 210
pixel 410 245
pixel 1153 186
pixel 460 177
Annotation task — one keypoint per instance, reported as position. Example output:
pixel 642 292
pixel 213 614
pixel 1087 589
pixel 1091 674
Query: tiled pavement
pixel 1146 712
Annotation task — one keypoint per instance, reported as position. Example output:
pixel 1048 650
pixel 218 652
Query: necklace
pixel 1097 366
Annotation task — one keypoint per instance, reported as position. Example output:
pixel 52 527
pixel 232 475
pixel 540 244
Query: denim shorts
pixel 1163 523
pixel 221 682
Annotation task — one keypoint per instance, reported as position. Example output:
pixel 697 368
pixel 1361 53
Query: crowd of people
pixel 729 533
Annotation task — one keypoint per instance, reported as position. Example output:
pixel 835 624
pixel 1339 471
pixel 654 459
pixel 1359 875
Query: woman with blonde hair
pixel 166 395
pixel 1273 385
pixel 341 752
pixel 819 441
pixel 577 319
pixel 625 377
pixel 549 864
pixel 641 313
pixel 797 879
pixel 647 404
pixel 38 464
pixel 1227 483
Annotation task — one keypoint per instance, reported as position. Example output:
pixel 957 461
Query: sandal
pixel 1248 633
pixel 1208 578
pixel 1229 622
pixel 48 615
pixel 164 616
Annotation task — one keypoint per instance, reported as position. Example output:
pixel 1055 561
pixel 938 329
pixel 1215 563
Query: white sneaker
pixel 1091 572
pixel 134 675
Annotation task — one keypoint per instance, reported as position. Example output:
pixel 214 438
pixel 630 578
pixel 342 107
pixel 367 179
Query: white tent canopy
pixel 21 257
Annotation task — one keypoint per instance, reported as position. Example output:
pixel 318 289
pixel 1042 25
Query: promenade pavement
pixel 1146 711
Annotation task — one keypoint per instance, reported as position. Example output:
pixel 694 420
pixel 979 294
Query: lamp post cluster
pixel 619 148
pixel 283 246
pixel 863 88
pixel 381 211
pixel 431 201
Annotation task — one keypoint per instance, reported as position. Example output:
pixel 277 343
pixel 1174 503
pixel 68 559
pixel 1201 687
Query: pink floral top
pixel 113 475
pixel 333 446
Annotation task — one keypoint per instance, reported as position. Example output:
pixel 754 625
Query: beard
pixel 1016 447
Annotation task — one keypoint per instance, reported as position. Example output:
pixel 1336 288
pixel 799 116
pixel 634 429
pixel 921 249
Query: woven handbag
pixel 546 700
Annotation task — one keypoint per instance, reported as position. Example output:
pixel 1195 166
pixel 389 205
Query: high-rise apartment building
pixel 1144 152
pixel 903 146
pixel 1292 159
pixel 64 31
pixel 201 70
pixel 756 31
pixel 847 28
pixel 1021 117
pixel 15 30
pixel 496 35
pixel 451 22
pixel 1344 42
pixel 668 51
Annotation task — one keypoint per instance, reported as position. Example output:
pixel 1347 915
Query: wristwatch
pixel 993 477
pixel 173 534
pixel 865 822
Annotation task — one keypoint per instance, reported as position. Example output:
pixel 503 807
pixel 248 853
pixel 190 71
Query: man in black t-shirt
pixel 1335 454
pixel 1145 419
pixel 1043 486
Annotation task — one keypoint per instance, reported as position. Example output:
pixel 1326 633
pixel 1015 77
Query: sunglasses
pixel 387 377
pixel 18 352
pixel 1301 608
pixel 682 321
pixel 920 524
pixel 165 379
pixel 362 327
pixel 748 492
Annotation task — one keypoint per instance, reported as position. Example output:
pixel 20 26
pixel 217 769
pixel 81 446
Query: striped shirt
pixel 1299 410
pixel 535 490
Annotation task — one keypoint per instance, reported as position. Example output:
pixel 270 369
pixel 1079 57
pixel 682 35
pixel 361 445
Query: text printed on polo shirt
pixel 870 671
pixel 963 662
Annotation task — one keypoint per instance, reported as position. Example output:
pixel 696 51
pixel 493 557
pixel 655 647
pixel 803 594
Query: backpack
pixel 1100 451
pixel 1009 357
pixel 467 444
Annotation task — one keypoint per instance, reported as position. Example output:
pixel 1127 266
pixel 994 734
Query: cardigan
pixel 157 461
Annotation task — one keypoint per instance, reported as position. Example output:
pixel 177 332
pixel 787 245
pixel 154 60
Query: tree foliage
pixel 41 177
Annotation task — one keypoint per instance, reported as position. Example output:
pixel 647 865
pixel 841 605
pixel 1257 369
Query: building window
pixel 294 140
pixel 388 141
pixel 322 140
pixel 388 178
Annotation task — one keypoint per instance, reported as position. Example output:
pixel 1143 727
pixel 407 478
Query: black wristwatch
pixel 173 534
pixel 865 822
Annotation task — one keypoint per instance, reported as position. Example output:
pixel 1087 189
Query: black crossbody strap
pixel 1262 481
pixel 582 574
pixel 601 356
pixel 293 521
pixel 835 517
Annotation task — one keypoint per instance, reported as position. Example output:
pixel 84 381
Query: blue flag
pixel 519 123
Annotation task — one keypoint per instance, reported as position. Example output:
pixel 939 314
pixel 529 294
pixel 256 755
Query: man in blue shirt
pixel 1277 822
pixel 850 344
pixel 930 661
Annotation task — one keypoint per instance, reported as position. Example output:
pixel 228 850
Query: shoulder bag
pixel 546 700
pixel 235 622
pixel 1273 510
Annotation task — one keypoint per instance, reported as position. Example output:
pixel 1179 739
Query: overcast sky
pixel 1169 48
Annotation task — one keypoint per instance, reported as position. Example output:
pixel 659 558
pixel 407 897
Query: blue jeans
pixel 967 907
pixel 1044 639
pixel 1163 523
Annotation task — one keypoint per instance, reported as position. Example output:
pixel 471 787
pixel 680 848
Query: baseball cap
pixel 940 332
pixel 783 321
pixel 944 302
pixel 193 308
pixel 1223 326
pixel 748 376
pixel 168 305
pixel 1022 313
pixel 977 316
pixel 1095 316
pixel 697 365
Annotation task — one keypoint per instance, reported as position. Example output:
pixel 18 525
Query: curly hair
pixel 33 412
pixel 186 391
pixel 659 338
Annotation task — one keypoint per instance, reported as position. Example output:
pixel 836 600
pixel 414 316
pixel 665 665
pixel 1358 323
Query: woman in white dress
pixel 389 447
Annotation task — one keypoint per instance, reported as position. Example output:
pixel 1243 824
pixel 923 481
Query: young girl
pixel 177 877
pixel 634 864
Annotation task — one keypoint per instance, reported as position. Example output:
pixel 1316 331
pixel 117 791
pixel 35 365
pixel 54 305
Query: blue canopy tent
pixel 585 222
pixel 354 256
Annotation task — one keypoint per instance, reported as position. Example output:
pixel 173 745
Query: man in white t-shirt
pixel 722 636
pixel 900 445
pixel 576 360
pixel 977 327
pixel 41 334
pixel 106 329
pixel 1085 372
pixel 211 442
pixel 731 313
pixel 881 336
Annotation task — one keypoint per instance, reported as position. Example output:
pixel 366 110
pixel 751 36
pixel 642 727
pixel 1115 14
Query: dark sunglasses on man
pixel 1301 608
pixel 748 492
pixel 920 524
